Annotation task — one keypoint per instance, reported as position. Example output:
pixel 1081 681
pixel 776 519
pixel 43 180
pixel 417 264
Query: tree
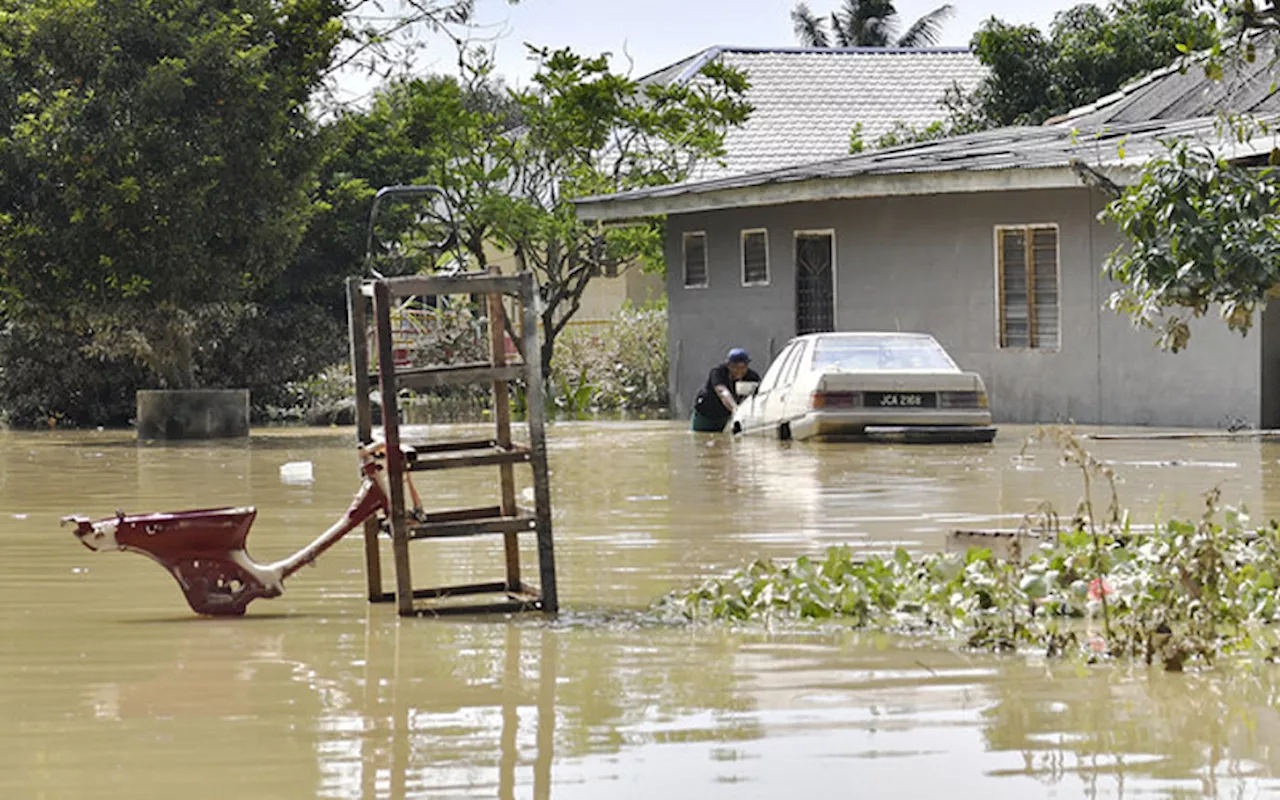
pixel 590 131
pixel 151 163
pixel 1089 53
pixel 1201 233
pixel 867 23
pixel 155 162
pixel 511 162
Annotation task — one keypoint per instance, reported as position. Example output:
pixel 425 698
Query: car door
pixel 781 399
pixel 752 410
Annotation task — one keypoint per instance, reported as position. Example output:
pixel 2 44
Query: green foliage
pixel 155 164
pixel 619 366
pixel 44 379
pixel 1185 592
pixel 1090 52
pixel 1199 233
pixel 856 144
pixel 325 398
pixel 590 131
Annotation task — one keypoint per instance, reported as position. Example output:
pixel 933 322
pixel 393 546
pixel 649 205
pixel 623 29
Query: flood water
pixel 111 688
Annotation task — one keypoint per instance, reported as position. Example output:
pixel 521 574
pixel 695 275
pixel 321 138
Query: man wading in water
pixel 716 401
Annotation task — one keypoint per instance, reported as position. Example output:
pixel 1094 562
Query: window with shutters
pixel 755 257
pixel 1027 277
pixel 695 259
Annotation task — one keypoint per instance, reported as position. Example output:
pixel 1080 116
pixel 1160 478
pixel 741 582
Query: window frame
pixel 742 250
pixel 774 371
pixel 792 367
pixel 684 260
pixel 1028 230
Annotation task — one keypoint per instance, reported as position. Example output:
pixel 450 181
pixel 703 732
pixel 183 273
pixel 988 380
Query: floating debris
pixel 297 473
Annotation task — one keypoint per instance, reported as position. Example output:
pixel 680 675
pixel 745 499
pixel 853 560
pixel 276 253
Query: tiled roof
pixel 978 161
pixel 807 101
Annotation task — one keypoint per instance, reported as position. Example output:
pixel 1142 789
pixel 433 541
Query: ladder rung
pixel 465 283
pixel 520 523
pixel 449 447
pixel 462 514
pixel 526 592
pixel 532 604
pixel 516 455
pixel 433 377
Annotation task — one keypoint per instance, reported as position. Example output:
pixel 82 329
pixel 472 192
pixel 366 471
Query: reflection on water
pixel 109 688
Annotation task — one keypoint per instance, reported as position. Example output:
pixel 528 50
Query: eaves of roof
pixel 1004 159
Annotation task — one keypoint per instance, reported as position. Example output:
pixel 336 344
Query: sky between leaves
pixel 645 35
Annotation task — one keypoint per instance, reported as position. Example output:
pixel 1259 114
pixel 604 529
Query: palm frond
pixel 866 23
pixel 809 29
pixel 926 31
pixel 843 37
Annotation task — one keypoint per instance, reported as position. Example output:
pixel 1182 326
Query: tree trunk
pixel 549 334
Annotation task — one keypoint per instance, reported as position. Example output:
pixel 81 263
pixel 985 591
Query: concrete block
pixel 193 413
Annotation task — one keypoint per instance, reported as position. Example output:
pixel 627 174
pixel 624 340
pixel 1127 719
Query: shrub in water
pixel 1183 592
pixel 616 366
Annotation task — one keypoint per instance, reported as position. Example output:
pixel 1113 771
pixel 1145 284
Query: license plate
pixel 904 399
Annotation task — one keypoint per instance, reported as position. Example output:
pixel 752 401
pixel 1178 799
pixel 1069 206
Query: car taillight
pixel 962 400
pixel 837 399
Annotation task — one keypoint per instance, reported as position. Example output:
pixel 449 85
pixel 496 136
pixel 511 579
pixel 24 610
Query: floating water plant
pixel 1179 593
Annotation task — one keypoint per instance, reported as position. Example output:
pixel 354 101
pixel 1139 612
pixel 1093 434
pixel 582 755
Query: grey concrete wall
pixel 928 264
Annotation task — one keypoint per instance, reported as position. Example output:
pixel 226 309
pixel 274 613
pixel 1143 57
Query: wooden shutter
pixel 1028 276
pixel 1015 324
pixel 1044 287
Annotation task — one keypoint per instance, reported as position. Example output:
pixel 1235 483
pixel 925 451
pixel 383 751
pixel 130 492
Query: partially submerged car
pixel 883 386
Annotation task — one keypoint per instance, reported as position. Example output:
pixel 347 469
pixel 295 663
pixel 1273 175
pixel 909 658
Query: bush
pixel 620 365
pixel 46 379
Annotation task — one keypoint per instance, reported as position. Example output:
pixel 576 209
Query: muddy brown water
pixel 110 688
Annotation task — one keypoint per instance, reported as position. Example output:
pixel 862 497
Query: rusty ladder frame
pixel 506 518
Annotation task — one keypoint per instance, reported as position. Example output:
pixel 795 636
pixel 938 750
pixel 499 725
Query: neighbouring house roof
pixel 1183 91
pixel 807 101
pixel 1040 157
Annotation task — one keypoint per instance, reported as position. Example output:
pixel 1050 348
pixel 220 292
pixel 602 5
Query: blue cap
pixel 738 356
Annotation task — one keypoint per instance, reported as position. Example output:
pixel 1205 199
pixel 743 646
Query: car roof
pixel 863 335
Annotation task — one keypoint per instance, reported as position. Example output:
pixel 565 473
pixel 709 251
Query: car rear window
pixel 881 353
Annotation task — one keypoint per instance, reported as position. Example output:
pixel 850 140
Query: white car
pixel 887 386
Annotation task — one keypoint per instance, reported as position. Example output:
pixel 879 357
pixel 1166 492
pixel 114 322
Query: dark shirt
pixel 708 403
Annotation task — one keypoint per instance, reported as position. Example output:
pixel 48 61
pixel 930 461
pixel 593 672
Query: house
pixel 806 103
pixel 988 241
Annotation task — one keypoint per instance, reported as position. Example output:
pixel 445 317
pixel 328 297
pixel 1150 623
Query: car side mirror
pixel 745 388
